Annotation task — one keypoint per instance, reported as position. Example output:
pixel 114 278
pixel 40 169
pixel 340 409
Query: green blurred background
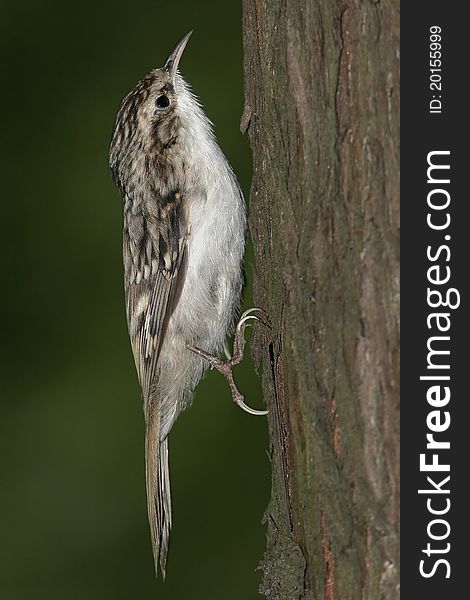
pixel 73 519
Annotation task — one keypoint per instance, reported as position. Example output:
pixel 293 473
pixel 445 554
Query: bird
pixel 184 232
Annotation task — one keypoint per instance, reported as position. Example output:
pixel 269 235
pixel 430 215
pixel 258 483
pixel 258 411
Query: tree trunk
pixel 322 81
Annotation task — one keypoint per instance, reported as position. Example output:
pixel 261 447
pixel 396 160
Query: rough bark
pixel 321 81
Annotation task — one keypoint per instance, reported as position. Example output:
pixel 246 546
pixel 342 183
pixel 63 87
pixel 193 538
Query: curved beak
pixel 172 62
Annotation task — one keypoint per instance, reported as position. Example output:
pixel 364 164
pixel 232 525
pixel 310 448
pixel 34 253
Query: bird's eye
pixel 162 102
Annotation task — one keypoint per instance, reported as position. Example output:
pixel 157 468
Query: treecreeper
pixel 183 245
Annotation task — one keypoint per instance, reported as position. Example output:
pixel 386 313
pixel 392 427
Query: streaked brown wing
pixel 155 256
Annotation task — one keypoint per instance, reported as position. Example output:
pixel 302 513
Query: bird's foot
pixel 225 366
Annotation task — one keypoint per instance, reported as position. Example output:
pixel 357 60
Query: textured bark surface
pixel 322 80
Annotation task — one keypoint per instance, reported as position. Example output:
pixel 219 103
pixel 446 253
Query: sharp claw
pixel 251 411
pixel 227 351
pixel 249 311
pixel 253 309
pixel 246 318
pixel 247 315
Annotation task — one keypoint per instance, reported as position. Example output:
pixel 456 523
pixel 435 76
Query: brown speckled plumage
pixel 183 244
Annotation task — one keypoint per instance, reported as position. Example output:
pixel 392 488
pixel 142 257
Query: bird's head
pixel 150 116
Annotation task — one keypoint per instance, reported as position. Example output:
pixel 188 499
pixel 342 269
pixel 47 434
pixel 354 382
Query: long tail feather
pixel 158 491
